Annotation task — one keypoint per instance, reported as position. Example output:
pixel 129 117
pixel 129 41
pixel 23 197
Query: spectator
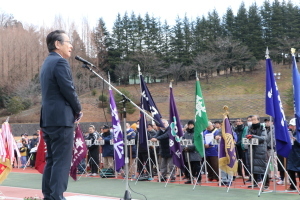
pixel 194 156
pixel 211 152
pixel 131 135
pixel 259 153
pixel 293 163
pixel 33 143
pixel 242 152
pixel 23 153
pixel 93 154
pixel 107 148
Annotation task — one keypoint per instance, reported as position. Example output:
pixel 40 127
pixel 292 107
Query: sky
pixel 42 13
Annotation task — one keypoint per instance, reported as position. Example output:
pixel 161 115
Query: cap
pixel 191 122
pixel 34 134
pixel 105 127
pixel 293 122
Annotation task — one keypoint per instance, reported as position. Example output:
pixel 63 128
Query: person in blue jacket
pixel 107 148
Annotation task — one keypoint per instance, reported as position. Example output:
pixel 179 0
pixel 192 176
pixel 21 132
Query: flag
pixel 79 152
pixel 296 86
pixel 274 108
pixel 9 146
pixel 227 155
pixel 143 136
pixel 175 134
pixel 201 120
pixel 148 103
pixel 40 161
pixel 118 135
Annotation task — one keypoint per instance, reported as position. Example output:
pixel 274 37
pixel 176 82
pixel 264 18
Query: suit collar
pixel 53 53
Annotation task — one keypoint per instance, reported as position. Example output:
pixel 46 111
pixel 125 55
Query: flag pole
pixel 145 127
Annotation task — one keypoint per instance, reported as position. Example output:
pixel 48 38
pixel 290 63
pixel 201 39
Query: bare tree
pixel 123 71
pixel 175 70
pixel 204 63
pixel 150 64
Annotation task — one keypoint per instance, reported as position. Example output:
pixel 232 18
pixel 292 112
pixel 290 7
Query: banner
pixel 296 87
pixel 79 152
pixel 201 120
pixel 118 135
pixel 227 155
pixel 176 133
pixel 274 108
pixel 40 161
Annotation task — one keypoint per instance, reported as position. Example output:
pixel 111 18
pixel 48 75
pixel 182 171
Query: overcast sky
pixel 41 12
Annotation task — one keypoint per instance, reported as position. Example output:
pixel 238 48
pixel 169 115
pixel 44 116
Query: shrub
pixel 15 105
pixel 103 98
pixel 94 92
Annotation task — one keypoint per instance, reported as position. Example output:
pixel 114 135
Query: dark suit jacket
pixel 59 100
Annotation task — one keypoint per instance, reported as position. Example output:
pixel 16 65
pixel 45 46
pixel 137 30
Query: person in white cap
pixel 293 163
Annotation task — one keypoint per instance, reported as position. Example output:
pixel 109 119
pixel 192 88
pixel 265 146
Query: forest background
pixel 211 45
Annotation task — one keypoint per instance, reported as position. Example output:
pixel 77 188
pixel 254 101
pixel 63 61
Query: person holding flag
pixel 166 157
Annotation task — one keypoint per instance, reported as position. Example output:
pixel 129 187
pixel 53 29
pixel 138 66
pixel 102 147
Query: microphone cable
pixel 136 192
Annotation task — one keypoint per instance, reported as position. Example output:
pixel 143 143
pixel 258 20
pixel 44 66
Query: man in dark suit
pixel 60 109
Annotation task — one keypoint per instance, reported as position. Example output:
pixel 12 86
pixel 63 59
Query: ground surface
pixel 23 183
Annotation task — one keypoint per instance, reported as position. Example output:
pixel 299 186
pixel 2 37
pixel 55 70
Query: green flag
pixel 201 121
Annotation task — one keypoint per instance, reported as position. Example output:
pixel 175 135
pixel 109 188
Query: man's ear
pixel 57 44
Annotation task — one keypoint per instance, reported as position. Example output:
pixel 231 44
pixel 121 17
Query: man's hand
pixel 217 137
pixel 153 139
pixel 78 117
pixel 249 137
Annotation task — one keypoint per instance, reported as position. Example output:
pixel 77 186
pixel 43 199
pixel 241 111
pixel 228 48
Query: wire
pixel 136 192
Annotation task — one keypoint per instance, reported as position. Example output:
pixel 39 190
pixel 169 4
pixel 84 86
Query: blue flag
pixel 143 130
pixel 176 133
pixel 296 86
pixel 274 108
pixel 148 103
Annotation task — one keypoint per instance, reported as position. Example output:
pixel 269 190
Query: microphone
pixel 84 61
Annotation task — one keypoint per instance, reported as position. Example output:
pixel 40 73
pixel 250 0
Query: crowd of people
pixel 143 164
pixel 27 148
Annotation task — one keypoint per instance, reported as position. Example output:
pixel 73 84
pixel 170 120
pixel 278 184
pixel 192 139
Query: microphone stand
pixel 127 195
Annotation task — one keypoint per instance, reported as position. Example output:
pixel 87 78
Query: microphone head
pixel 77 57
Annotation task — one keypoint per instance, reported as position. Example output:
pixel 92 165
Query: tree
pixel 175 70
pixel 123 71
pixel 204 63
pixel 254 40
pixel 130 109
pixel 228 23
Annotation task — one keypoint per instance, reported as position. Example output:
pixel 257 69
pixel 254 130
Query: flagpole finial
pixel 197 76
pixel 293 50
pixel 140 73
pixel 226 110
pixel 7 119
pixel 267 53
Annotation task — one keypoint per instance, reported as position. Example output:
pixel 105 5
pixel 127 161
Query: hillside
pixel 244 93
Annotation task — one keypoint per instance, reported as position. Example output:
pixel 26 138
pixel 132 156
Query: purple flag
pixel 227 155
pixel 148 103
pixel 274 108
pixel 118 135
pixel 175 134
pixel 79 151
